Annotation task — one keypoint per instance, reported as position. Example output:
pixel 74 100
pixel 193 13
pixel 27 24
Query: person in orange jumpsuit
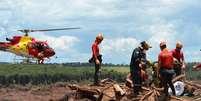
pixel 179 59
pixel 165 63
pixel 96 58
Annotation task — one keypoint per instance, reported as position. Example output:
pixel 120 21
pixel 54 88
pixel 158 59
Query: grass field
pixel 9 69
pixel 47 74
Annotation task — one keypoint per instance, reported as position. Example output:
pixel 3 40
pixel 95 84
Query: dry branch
pixel 198 99
pixel 158 89
pixel 193 84
pixel 144 88
pixel 118 92
pixel 174 97
pixel 84 90
pixel 180 77
pixel 146 95
pixel 107 80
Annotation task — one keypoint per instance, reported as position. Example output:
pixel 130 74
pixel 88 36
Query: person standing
pixel 179 65
pixel 96 58
pixel 138 58
pixel 165 63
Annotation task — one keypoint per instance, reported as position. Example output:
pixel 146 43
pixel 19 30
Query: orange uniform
pixel 95 50
pixel 165 59
pixel 178 55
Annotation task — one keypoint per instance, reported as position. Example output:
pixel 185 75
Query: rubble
pixel 111 91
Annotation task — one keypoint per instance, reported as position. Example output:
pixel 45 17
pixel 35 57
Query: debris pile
pixel 112 91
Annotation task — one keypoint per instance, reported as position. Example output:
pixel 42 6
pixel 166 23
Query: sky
pixel 124 25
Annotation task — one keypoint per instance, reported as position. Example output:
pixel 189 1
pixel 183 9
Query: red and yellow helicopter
pixel 29 47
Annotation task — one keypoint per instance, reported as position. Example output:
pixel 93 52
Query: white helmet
pixel 179 88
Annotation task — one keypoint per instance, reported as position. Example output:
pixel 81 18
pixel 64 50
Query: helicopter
pixel 29 47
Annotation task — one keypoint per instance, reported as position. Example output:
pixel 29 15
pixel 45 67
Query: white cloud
pixel 119 45
pixel 162 32
pixel 51 11
pixel 158 32
pixel 152 20
pixel 161 8
pixel 114 49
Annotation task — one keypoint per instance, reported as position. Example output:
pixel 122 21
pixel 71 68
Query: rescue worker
pixel 165 65
pixel 97 58
pixel 197 66
pixel 137 60
pixel 179 64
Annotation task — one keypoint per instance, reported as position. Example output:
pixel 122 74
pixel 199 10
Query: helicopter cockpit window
pixel 45 46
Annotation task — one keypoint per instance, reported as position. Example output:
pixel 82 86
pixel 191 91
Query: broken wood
pixel 189 89
pixel 88 91
pixel 151 97
pixel 144 88
pixel 157 93
pixel 73 87
pixel 193 84
pixel 84 90
pixel 105 94
pixel 114 91
pixel 118 90
pixel 129 82
pixel 104 80
pixel 109 96
pixel 135 99
pixel 174 97
pixel 146 95
pixel 158 89
pixel 107 80
pixel 154 95
pixel 100 97
pixel 177 78
pixel 106 88
pixel 198 99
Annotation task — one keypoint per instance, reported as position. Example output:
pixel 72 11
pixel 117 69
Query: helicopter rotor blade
pixel 42 30
pixel 26 31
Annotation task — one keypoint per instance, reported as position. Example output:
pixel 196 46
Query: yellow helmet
pixel 179 45
pixel 99 37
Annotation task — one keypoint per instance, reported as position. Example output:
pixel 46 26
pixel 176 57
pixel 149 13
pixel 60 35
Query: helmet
pixel 179 88
pixel 145 45
pixel 163 43
pixel 99 37
pixel 179 45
